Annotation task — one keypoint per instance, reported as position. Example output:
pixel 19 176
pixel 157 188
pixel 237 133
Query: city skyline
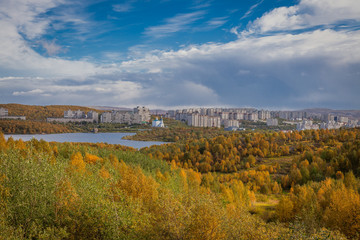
pixel 175 54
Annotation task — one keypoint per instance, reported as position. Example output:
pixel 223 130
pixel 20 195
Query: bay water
pixel 111 138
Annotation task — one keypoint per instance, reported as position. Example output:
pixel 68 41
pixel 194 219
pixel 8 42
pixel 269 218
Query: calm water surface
pixel 111 138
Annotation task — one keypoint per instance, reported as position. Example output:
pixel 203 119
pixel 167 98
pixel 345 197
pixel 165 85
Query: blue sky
pixel 276 54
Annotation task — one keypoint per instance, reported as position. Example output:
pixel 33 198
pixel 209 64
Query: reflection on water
pixel 111 138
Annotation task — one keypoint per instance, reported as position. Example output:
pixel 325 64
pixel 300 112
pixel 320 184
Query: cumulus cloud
pixel 272 71
pixel 20 18
pixel 58 90
pixel 278 67
pixel 311 68
pixel 307 14
pixel 25 15
pixel 338 45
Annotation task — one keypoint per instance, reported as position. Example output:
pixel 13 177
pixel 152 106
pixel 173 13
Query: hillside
pixel 102 191
pixel 40 113
pixel 287 174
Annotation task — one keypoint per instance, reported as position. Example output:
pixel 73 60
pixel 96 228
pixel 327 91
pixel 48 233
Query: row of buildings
pixel 138 115
pixel 230 117
pixel 216 117
pixel 253 114
pixel 198 120
pixel 250 114
pixel 4 114
pixel 76 116
pixel 206 117
pixel 332 124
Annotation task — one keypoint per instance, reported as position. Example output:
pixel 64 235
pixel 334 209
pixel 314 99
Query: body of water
pixel 111 138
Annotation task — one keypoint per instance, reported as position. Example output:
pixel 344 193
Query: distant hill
pixel 109 108
pixel 40 113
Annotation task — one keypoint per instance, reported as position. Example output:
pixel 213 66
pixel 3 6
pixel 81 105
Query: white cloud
pixel 124 7
pixel 283 70
pixel 57 90
pixel 34 92
pixel 20 17
pixel 283 18
pixel 178 23
pixel 25 15
pixel 261 70
pixel 266 71
pixel 341 47
pixel 113 56
pixel 201 4
pixel 51 47
pixel 251 9
pixel 308 13
pixel 217 21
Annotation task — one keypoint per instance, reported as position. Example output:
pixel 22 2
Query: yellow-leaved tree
pixel 343 212
pixel 77 163
pixel 284 209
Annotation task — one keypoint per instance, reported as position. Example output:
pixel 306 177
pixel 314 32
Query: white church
pixel 158 123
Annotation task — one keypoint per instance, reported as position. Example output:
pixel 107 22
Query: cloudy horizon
pixel 169 54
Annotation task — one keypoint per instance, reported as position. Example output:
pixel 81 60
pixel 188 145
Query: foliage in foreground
pixel 331 203
pixel 319 168
pixel 90 191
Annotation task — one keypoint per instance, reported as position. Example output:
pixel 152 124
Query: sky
pixel 271 54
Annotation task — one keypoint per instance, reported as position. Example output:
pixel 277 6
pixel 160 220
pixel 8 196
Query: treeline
pixel 102 191
pixel 237 151
pixel 335 160
pixel 31 127
pixel 34 112
pixel 176 134
pixel 268 162
pixel 319 168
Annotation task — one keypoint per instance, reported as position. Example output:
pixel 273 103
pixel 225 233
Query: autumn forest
pixel 205 184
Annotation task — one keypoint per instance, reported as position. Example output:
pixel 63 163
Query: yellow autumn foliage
pixel 67 198
pixel 343 212
pixel 91 159
pixel 77 163
pixel 103 173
